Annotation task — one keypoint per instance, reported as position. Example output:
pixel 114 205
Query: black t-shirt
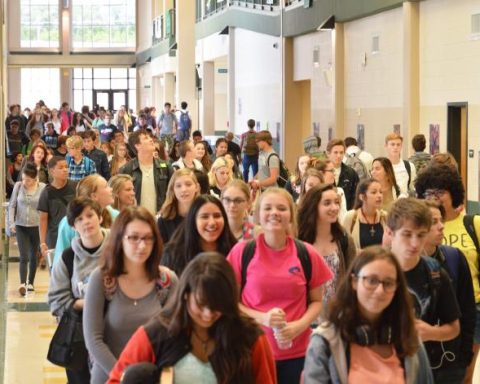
pixel 167 227
pixel 371 234
pixel 54 202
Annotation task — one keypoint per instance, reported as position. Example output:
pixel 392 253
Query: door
pixel 110 99
pixel 457 134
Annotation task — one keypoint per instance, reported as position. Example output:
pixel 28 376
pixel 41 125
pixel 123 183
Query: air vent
pixel 476 23
pixel 375 44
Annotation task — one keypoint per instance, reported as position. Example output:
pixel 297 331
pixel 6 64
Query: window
pixel 40 84
pixel 103 24
pixel 39 26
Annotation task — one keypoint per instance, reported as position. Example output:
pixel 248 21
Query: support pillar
pixel 169 88
pixel 338 36
pixel 231 98
pixel 208 99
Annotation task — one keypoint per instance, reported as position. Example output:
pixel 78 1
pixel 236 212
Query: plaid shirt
pixel 78 171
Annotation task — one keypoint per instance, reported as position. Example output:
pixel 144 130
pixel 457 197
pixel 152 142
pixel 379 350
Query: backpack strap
pixel 67 258
pixel 409 171
pixel 247 257
pixel 468 222
pixel 344 244
pixel 452 260
pixel 303 255
pixel 434 283
pixel 270 155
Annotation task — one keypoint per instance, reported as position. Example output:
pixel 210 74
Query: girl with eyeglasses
pixel 126 290
pixel 237 202
pixel 72 274
pixel 201 333
pixel 369 335
pixel 205 229
pixel 182 189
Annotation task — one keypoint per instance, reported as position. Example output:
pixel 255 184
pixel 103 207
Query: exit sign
pixel 222 70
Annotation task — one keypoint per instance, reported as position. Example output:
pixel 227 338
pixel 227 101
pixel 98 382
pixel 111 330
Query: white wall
pixel 144 24
pixel 258 80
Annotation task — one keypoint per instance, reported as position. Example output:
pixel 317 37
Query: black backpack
pixel 284 174
pixel 470 227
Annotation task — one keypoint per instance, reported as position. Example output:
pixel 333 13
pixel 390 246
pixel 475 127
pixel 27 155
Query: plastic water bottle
pixel 287 344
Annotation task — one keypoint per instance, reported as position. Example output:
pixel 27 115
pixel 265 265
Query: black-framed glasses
pixel 236 201
pixel 372 282
pixel 136 240
pixel 433 193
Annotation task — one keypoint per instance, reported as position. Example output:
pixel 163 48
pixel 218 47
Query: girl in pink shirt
pixel 275 291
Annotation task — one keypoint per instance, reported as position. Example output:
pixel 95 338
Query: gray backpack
pixel 354 162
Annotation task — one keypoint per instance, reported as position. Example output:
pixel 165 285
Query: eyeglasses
pixel 236 201
pixel 372 282
pixel 433 193
pixel 136 240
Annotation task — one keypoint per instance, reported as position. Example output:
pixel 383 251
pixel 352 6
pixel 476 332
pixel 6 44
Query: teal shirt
pixel 66 234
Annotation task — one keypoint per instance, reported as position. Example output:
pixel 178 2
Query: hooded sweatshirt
pixel 63 290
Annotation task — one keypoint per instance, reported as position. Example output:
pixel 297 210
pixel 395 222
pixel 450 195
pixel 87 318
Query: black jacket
pixel 162 172
pixel 348 181
pixel 101 161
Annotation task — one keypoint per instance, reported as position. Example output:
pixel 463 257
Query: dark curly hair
pixel 441 177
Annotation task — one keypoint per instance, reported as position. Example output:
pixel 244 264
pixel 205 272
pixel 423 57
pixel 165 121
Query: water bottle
pixel 284 344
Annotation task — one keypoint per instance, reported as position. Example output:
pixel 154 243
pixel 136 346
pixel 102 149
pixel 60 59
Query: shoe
pixel 22 289
pixel 30 288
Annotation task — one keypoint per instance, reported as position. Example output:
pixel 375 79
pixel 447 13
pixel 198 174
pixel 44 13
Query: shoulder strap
pixel 247 257
pixel 302 254
pixel 67 258
pixel 270 155
pixel 434 283
pixel 452 259
pixel 470 227
pixel 409 171
pixel 344 244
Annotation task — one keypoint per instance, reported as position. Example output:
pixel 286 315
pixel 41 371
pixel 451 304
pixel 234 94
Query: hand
pixel 274 318
pixel 423 330
pixel 13 230
pixel 289 331
pixel 44 250
pixel 254 184
pixel 78 305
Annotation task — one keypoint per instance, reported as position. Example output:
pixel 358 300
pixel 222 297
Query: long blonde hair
pixel 169 208
pixel 219 163
pixel 116 183
pixel 292 231
pixel 114 166
pixel 88 186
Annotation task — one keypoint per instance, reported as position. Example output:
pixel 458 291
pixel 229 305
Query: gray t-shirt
pixel 165 121
pixel 264 168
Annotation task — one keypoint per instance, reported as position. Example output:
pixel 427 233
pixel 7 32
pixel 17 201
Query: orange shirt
pixel 366 366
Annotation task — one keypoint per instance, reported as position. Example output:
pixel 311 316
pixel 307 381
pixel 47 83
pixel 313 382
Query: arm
pixel 60 295
pixel 443 332
pixel 269 181
pixel 42 229
pixel 94 323
pixel 275 317
pixel 138 349
pixel 12 206
pixel 262 362
pixel 65 236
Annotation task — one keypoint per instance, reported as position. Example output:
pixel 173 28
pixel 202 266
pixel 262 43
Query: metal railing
pixel 207 8
pixel 163 27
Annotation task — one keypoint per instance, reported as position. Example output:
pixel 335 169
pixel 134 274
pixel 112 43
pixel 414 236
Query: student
pixel 197 137
pixel 123 191
pixel 345 176
pixel 318 225
pixel 205 229
pixel 369 335
pixel 167 124
pixel 23 219
pixel 366 220
pixel 436 308
pixel 79 165
pixel 52 205
pixel 96 155
pixel 353 150
pixel 184 122
pixel 453 261
pixel 219 176
pixel 237 202
pixel 120 158
pixel 420 158
pixel 382 171
pixel 70 276
pixel 221 147
pixel 38 157
pixel 201 333
pixel 268 162
pixel 126 290
pixel 201 154
pixel 405 172
pixel 107 129
pixel 277 291
pixel 187 157
pixel 233 149
pixel 444 184
pixel 51 136
pixel 310 179
pixel 182 189
pixel 294 185
pixel 250 150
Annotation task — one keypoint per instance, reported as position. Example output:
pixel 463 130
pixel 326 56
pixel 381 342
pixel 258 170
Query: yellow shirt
pixel 455 234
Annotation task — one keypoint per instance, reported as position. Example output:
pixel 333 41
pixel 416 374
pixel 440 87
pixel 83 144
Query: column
pixel 338 37
pixel 66 86
pixel 169 88
pixel 231 98
pixel 186 76
pixel 411 72
pixel 208 98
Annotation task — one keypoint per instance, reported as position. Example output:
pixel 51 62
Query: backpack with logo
pixel 284 174
pixel 353 161
pixel 250 147
pixel 184 123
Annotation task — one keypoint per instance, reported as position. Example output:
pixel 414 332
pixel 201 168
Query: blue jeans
pixel 183 134
pixel 28 243
pixel 289 371
pixel 249 161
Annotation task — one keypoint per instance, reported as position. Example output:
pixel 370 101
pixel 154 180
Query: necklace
pixel 372 225
pixel 203 342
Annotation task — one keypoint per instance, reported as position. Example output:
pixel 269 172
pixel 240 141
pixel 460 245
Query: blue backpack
pixel 185 123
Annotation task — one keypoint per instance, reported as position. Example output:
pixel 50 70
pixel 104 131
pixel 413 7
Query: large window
pixel 39 26
pixel 103 24
pixel 107 87
pixel 40 84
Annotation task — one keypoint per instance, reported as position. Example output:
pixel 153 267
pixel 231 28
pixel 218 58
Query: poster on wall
pixel 434 138
pixel 396 129
pixel 330 133
pixel 316 129
pixel 361 136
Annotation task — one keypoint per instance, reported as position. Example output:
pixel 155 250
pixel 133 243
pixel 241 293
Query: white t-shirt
pixel 148 196
pixel 401 175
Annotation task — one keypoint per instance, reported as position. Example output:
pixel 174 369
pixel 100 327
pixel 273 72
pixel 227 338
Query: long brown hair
pixel 344 312
pixel 169 208
pixel 112 260
pixel 389 172
pixel 210 278
pixel 114 165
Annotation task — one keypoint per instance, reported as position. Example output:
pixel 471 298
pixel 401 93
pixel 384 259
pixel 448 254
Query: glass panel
pixel 102 99
pixel 103 73
pixel 77 84
pixel 87 72
pixel 118 36
pixel 132 72
pixel 132 100
pixel 119 84
pixel 119 73
pixel 88 97
pixel 77 99
pixel 101 83
pixel 118 100
pixel 87 84
pixel 77 73
pixel 40 83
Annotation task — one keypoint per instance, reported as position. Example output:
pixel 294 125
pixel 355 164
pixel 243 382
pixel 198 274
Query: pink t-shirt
pixel 275 278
